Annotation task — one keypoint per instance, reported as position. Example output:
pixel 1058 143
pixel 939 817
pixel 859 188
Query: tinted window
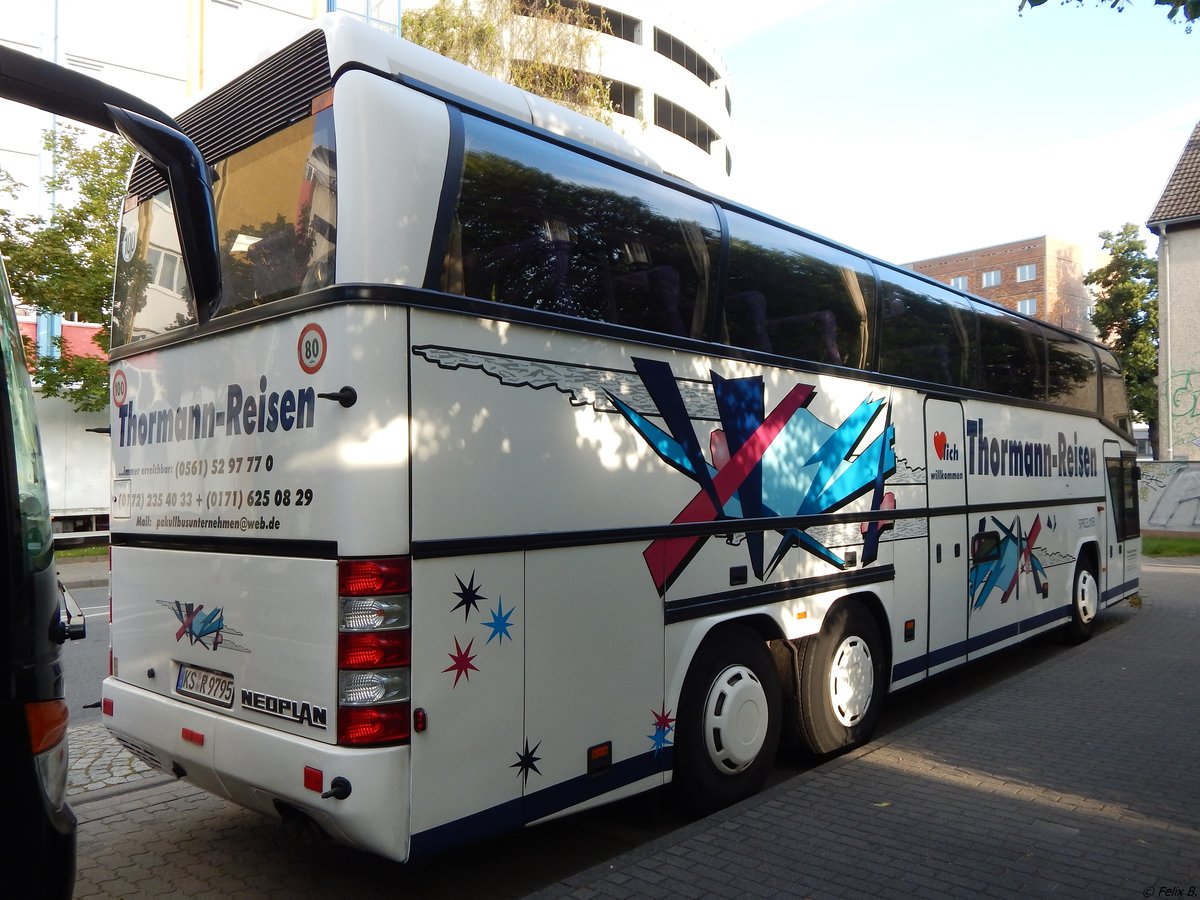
pixel 33 504
pixel 276 205
pixel 1071 378
pixel 544 227
pixel 1012 354
pixel 1112 389
pixel 926 333
pixel 793 296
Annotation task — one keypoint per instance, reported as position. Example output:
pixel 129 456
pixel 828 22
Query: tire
pixel 1085 602
pixel 730 712
pixel 843 679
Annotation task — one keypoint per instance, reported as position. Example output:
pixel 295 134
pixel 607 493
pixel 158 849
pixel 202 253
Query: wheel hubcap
pixel 1086 597
pixel 851 680
pixel 735 719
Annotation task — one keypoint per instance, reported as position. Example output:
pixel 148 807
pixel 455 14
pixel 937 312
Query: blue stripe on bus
pixel 1119 589
pixel 937 657
pixel 513 814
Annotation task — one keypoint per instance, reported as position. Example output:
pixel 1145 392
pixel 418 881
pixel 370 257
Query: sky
pixel 910 129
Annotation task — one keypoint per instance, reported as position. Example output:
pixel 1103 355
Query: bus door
pixel 945 462
pixel 1122 522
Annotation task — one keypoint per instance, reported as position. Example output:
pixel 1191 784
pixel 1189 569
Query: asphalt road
pixel 86 661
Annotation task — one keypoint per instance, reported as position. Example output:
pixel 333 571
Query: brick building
pixel 1041 277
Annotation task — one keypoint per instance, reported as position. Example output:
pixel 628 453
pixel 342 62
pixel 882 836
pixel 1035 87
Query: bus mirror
pixel 180 161
pixel 1137 473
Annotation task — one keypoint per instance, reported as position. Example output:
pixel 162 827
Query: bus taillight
pixel 374 651
pixel 372 726
pixel 367 577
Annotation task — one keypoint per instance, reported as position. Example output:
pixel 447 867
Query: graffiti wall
pixel 1170 496
pixel 1185 411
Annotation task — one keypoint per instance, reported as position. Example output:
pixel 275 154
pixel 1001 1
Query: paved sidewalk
pixel 83 571
pixel 1076 779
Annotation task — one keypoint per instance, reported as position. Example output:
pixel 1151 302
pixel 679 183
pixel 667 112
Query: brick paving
pixel 1076 778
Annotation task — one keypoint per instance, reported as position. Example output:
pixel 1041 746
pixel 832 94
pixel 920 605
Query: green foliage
pixel 523 42
pixel 1126 316
pixel 65 265
pixel 1189 8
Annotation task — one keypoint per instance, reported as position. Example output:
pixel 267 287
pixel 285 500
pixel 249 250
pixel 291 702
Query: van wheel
pixel 842 681
pixel 730 711
pixel 1085 602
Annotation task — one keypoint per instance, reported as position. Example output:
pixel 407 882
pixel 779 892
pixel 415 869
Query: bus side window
pixel 926 334
pixel 1115 404
pixel 790 295
pixel 544 227
pixel 1012 355
pixel 1071 377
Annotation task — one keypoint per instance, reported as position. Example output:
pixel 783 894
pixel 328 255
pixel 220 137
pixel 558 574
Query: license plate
pixel 206 685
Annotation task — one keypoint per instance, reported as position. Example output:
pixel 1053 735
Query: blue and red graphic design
pixel 208 629
pixel 1000 567
pixel 761 465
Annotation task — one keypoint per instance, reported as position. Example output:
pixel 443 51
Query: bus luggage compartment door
pixel 949 601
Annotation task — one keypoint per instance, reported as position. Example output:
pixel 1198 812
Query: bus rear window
pixel 276 204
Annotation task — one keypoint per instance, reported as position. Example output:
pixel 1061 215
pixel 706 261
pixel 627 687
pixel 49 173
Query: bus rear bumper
pixel 277 774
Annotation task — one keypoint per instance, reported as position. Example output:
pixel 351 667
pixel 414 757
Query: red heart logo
pixel 939 443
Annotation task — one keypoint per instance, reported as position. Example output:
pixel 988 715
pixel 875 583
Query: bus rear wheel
pixel 1085 601
pixel 842 681
pixel 730 713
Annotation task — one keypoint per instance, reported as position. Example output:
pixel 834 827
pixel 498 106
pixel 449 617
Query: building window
pixel 626 99
pixel 675 118
pixel 594 17
pixel 959 282
pixel 1027 307
pixel 677 51
pixel 1027 273
pixel 992 278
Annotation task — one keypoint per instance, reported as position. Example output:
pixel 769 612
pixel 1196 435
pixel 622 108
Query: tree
pixel 1126 316
pixel 65 265
pixel 1189 8
pixel 528 43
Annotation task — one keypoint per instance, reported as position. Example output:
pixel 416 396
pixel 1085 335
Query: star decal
pixel 468 596
pixel 499 623
pixel 461 662
pixel 664 724
pixel 527 761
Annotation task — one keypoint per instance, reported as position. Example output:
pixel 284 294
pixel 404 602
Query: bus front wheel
pixel 1085 601
pixel 730 712
pixel 842 681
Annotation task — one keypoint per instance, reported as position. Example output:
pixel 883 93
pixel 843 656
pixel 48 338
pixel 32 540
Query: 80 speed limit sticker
pixel 120 387
pixel 311 348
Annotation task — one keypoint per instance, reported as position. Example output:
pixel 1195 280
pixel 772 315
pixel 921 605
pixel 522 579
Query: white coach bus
pixel 468 471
